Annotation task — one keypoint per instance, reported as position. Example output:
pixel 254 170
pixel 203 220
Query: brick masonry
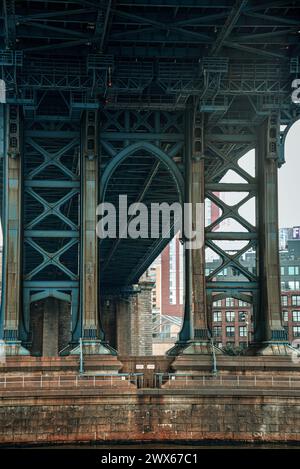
pixel 147 415
pixel 141 320
pixel 118 413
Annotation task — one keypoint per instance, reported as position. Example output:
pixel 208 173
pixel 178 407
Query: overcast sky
pixel 289 180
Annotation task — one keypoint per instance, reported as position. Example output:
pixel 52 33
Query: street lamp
pixel 245 319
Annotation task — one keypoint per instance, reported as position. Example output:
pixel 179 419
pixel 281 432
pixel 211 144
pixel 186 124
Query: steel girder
pixel 51 217
pixel 140 69
pixel 142 157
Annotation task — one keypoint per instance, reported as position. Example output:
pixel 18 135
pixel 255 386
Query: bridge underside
pixel 158 101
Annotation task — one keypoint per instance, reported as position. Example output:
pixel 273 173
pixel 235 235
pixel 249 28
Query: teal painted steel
pixel 140 65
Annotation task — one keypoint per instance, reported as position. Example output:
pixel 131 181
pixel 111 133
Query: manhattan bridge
pixel 157 100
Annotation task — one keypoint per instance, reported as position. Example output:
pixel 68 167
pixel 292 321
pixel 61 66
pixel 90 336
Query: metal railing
pixel 160 380
pixel 18 382
pixel 180 380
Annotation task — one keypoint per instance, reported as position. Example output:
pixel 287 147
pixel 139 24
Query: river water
pixel 169 446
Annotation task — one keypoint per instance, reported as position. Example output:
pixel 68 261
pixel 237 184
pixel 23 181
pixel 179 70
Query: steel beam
pixel 89 250
pixel 12 233
pixel 187 331
pixel 269 329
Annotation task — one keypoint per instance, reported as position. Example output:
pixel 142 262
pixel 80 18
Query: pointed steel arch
pixel 284 135
pixel 155 151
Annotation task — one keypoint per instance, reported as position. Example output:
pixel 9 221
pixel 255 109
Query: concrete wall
pixel 141 320
pixel 50 327
pixel 149 415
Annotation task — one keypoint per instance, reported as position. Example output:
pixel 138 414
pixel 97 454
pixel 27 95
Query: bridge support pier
pixel 270 338
pixel 93 340
pixel 12 216
pixel 195 337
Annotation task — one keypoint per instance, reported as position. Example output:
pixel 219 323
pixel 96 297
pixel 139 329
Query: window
pixel 217 331
pixel 229 302
pixel 284 300
pixel 296 300
pixel 243 331
pixel 285 316
pixel 166 331
pixel 294 285
pixel 296 331
pixel 243 316
pixel 230 330
pixel 243 303
pixel 293 270
pixel 243 344
pixel 281 270
pixel 230 344
pixel 296 316
pixel 217 303
pixel 230 316
pixel 217 316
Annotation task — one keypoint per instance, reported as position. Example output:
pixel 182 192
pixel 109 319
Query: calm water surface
pixel 168 446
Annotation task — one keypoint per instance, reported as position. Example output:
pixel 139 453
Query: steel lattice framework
pixel 157 100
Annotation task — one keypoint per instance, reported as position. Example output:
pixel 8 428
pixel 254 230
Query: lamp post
pixel 81 369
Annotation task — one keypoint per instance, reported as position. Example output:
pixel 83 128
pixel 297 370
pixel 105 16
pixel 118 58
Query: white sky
pixel 289 180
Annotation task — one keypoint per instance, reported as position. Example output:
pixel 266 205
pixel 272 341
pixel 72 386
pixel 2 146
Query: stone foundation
pixel 176 411
pixel 150 416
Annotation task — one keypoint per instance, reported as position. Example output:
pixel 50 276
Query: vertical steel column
pixel 194 337
pixel 270 333
pixel 12 282
pixel 92 332
pixel 198 254
pixel 187 331
pixel 90 257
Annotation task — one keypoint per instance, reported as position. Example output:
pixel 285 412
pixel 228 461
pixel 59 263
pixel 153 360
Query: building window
pixel 285 316
pixel 296 316
pixel 293 270
pixel 296 331
pixel 229 302
pixel 243 344
pixel 217 316
pixel 281 270
pixel 217 331
pixel 296 300
pixel 230 330
pixel 230 316
pixel 243 316
pixel 243 303
pixel 243 331
pixel 284 300
pixel 217 303
pixel 294 285
pixel 166 331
